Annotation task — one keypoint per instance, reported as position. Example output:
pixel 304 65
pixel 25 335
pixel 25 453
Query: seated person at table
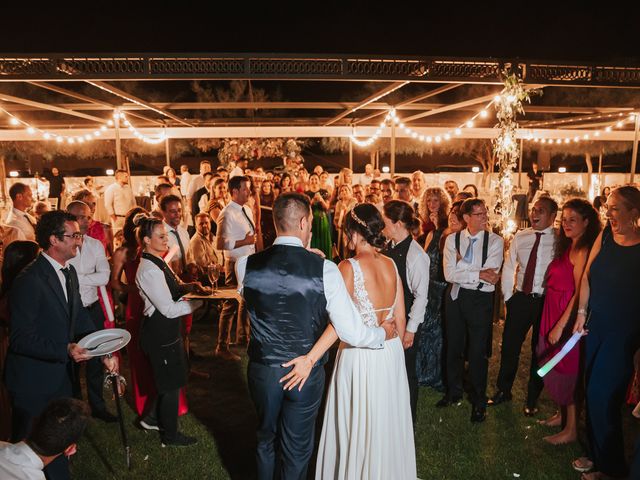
pixel 201 250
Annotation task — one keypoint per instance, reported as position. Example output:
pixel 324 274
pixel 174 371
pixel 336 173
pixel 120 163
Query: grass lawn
pixel 507 445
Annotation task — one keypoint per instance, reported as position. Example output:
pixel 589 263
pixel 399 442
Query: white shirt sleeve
pixel 102 270
pixel 457 271
pixel 495 255
pixel 509 270
pixel 418 281
pixel 241 268
pixel 224 231
pixel 343 313
pixel 108 200
pixel 153 286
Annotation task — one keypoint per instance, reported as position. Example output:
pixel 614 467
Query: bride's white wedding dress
pixel 367 431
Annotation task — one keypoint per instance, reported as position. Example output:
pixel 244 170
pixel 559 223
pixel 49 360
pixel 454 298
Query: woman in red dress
pixel 580 227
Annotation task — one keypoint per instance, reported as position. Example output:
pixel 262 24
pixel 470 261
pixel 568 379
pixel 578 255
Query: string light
pixel 71 140
pixel 393 117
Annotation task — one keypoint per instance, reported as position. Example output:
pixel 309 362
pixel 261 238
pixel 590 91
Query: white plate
pixel 105 341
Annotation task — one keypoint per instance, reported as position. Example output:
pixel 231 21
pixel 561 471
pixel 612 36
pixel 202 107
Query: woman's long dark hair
pixel 366 220
pixel 587 212
pixel 17 256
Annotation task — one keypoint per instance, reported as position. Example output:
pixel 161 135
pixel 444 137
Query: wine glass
pixel 213 272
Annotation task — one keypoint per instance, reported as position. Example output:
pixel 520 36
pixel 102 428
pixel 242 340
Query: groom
pixel 290 294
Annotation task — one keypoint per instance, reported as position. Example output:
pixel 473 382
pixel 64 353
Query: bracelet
pixel 582 311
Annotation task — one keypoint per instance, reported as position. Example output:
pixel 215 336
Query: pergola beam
pixel 91 101
pixel 370 99
pixel 45 106
pixel 417 98
pixel 132 98
pixel 454 106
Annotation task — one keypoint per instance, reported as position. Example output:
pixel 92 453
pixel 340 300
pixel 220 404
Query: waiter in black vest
pixel 290 294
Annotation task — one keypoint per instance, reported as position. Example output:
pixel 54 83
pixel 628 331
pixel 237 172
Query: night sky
pixel 602 32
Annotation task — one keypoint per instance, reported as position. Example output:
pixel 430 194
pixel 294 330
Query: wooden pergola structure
pixel 428 113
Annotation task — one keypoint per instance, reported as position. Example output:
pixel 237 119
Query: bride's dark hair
pixel 366 220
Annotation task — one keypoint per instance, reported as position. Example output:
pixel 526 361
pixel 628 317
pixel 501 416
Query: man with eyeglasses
pixel 47 319
pixel 472 260
pixel 93 271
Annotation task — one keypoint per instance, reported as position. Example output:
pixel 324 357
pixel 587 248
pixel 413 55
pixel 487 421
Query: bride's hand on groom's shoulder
pixel 299 373
pixel 317 251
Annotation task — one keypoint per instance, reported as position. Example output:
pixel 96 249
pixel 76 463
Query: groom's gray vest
pixel 284 292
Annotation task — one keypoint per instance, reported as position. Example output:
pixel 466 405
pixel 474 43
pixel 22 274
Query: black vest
pixel 284 292
pixel 399 256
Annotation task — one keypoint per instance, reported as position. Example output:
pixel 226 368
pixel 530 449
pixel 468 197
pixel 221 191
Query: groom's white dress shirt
pixel 343 314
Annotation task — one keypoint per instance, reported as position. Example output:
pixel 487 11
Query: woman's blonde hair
pixel 443 211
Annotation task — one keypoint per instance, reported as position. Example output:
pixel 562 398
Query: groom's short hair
pixel 288 209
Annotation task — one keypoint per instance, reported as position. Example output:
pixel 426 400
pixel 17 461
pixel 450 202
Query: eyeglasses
pixel 75 236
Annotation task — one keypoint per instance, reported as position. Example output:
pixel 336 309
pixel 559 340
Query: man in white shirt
pixel 9 235
pixel 93 271
pixel 288 317
pixel 119 199
pixel 55 432
pixel 22 199
pixel 367 176
pixel 239 169
pixel 185 179
pixel 417 186
pixel 472 260
pixel 197 181
pixel 171 208
pixel 530 253
pixel 236 236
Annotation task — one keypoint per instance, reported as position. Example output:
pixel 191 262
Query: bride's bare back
pixel 380 281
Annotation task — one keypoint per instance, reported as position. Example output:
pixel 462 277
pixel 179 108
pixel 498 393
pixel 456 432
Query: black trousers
pixel 410 356
pixel 523 313
pixel 469 318
pixel 94 367
pixel 286 421
pixel 164 410
pixel 25 408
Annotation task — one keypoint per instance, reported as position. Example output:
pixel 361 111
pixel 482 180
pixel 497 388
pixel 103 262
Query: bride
pixel 367 431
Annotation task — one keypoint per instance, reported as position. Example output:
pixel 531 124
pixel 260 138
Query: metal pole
pixel 520 163
pixel 634 155
pixel 351 155
pixel 392 166
pixel 119 164
pixel 599 172
pixel 166 147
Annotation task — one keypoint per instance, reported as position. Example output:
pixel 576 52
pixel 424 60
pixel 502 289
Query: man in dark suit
pixel 290 294
pixel 47 317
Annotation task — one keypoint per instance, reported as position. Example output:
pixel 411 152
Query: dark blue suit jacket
pixel 41 328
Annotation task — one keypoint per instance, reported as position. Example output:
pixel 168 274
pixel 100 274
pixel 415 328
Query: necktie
pixel 67 283
pixel 530 271
pixel 183 257
pixel 30 222
pixel 253 229
pixel 468 255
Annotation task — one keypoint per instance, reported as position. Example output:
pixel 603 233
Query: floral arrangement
pixel 506 148
pixel 232 149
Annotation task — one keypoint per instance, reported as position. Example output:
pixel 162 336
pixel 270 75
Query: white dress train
pixel 367 431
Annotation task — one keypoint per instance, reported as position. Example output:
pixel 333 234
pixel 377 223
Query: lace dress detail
pixel 363 304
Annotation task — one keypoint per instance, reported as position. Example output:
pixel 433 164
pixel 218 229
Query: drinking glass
pixel 213 272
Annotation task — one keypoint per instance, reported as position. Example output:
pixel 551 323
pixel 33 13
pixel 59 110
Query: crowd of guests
pixel 571 271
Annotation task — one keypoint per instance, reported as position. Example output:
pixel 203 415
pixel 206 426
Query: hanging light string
pixel 446 135
pixel 31 129
pixel 622 119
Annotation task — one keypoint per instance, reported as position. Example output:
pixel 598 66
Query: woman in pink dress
pixel 580 227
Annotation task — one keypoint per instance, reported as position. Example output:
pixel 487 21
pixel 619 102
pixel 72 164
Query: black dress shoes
pixel 104 416
pixel 478 414
pixel 529 411
pixel 499 397
pixel 447 401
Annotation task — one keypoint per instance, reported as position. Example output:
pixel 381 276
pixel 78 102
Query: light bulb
pixel 597 134
pixel 469 124
pixel 458 131
pixel 429 139
pixel 385 169
pixel 414 135
pixel 558 141
pixel 484 113
pixel 80 140
pixel 109 171
pixel 566 140
pixel 103 128
pixel 31 130
pixel 562 170
pixel 14 121
pixel 475 169
pixel 447 136
pixel 497 98
pixel 70 140
pixel 46 135
pixel 608 129
pixel 14 173
pixel 110 123
pixel 401 125
pixel 586 136
pixel 382 125
pixel 87 137
pixel 438 139
pixel 97 133
pixel 59 139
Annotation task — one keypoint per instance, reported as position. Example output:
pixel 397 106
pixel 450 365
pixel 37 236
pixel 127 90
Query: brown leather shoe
pixel 225 354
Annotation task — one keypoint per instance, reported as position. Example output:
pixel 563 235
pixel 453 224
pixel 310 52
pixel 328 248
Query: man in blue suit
pixel 47 317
